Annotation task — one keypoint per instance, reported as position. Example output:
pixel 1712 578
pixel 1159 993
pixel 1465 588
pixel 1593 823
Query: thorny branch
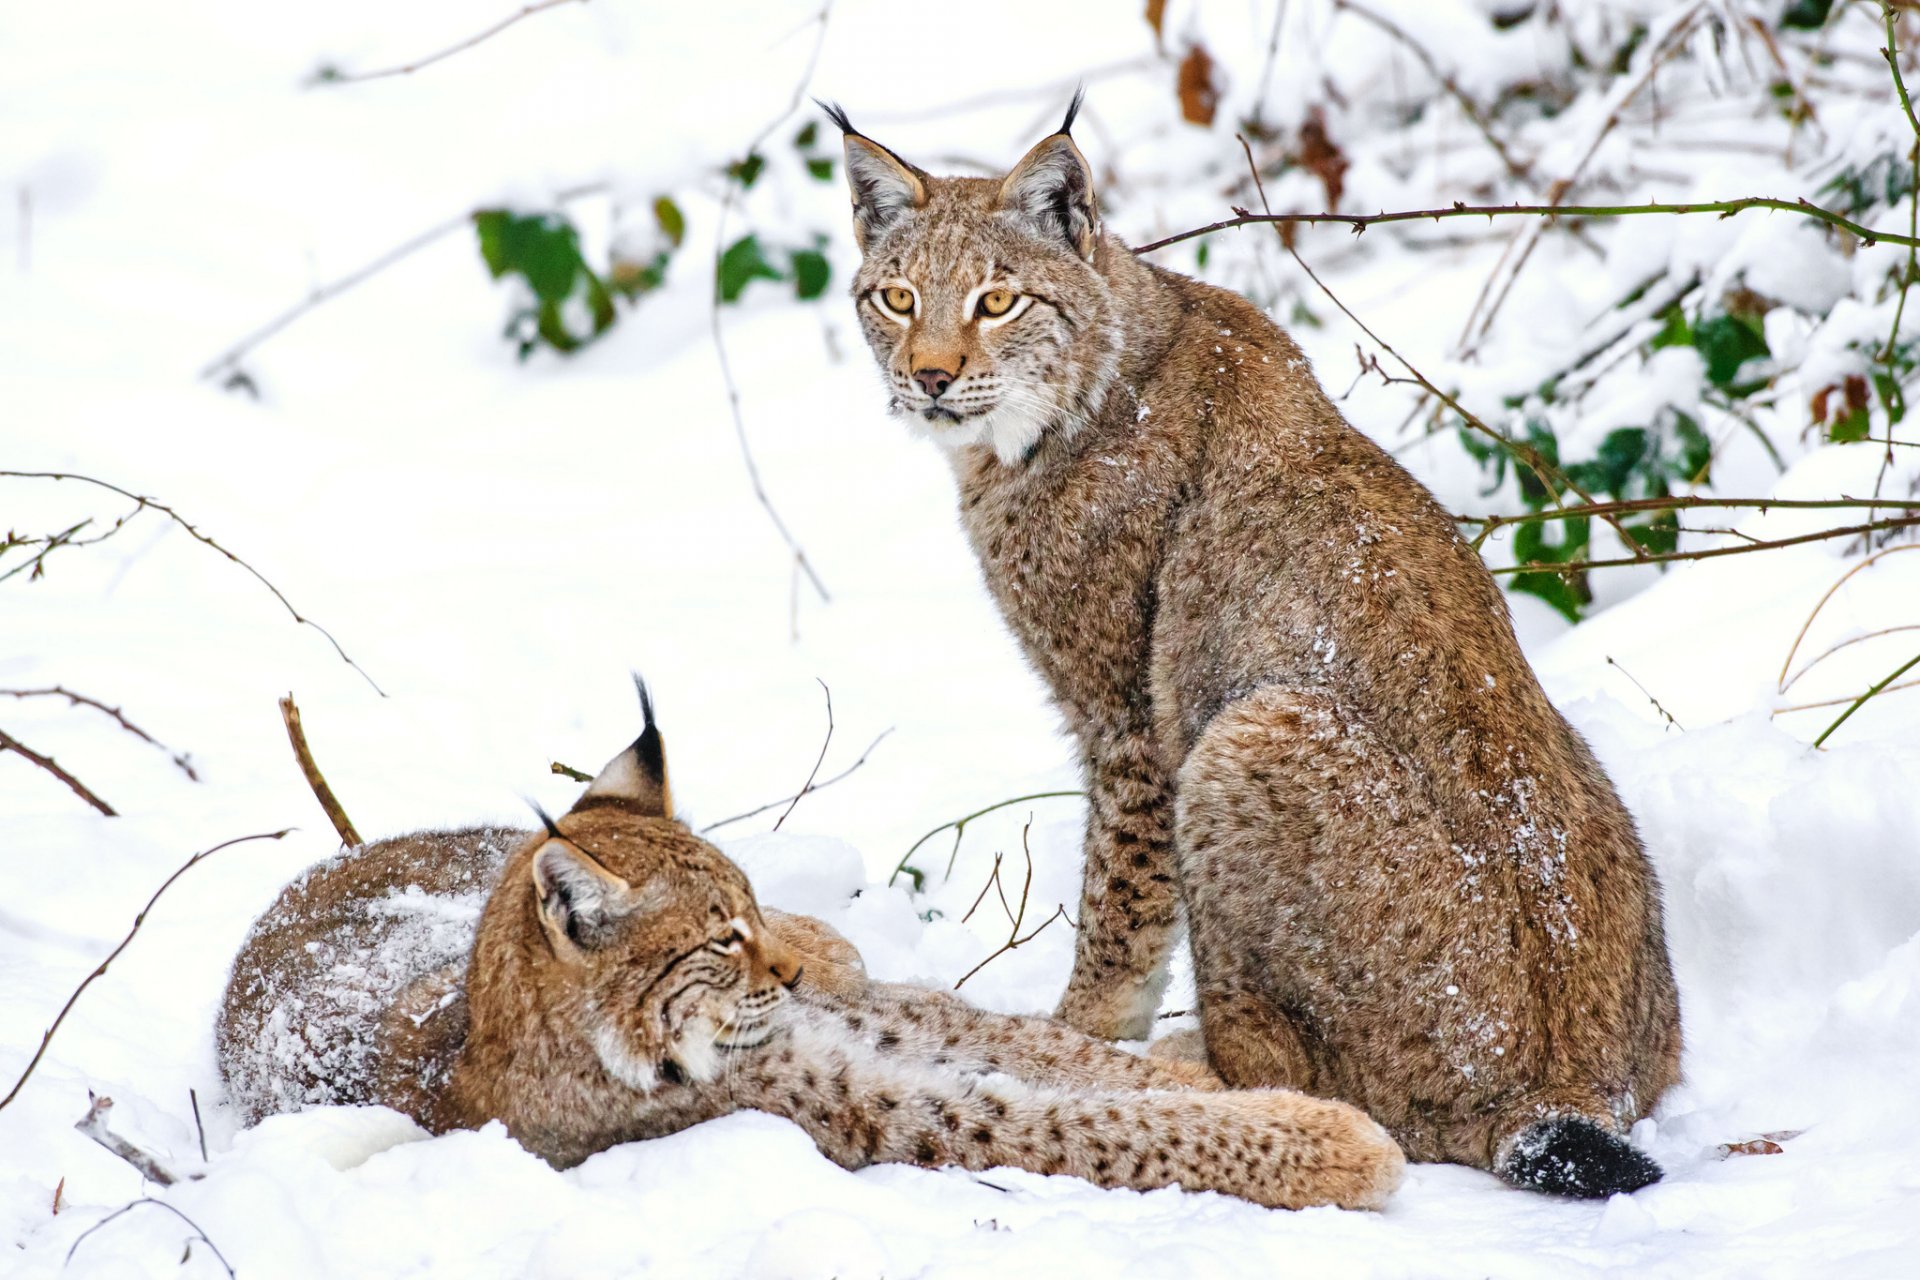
pixel 316 781
pixel 180 758
pixel 719 338
pixel 146 502
pixel 10 743
pixel 330 76
pixel 1709 553
pixel 113 955
pixel 1016 915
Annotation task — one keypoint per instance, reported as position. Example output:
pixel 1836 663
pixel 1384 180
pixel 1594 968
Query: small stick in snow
pixel 1650 698
pixel 824 744
pixel 568 771
pixel 321 791
pixel 198 1234
pixel 180 758
pixel 10 743
pixel 194 1100
pixel 1017 915
pixel 94 1125
pixel 193 531
pixel 188 865
pixel 59 1189
pixel 959 827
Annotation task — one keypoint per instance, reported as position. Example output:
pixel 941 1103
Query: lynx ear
pixel 579 900
pixel 1052 188
pixel 638 775
pixel 884 187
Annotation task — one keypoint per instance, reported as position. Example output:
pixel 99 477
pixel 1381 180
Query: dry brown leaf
pixel 1156 18
pixel 1199 95
pixel 1751 1147
pixel 1319 155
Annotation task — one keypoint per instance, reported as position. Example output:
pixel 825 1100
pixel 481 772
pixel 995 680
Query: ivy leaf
pixel 811 272
pixel 821 167
pixel 746 172
pixel 1807 15
pixel 741 265
pixel 673 223
pixel 543 249
pixel 810 133
pixel 1726 343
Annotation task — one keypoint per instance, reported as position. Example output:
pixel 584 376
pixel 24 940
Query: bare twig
pixel 1016 916
pixel 568 771
pixel 94 1125
pixel 1840 701
pixel 138 920
pixel 193 1099
pixel 959 827
pixel 1361 221
pixel 719 338
pixel 198 1234
pixel 813 773
pixel 10 743
pixel 1821 603
pixel 1631 506
pixel 409 68
pixel 1850 641
pixel 1667 715
pixel 818 786
pixel 1518 169
pixel 290 715
pixel 180 758
pixel 198 536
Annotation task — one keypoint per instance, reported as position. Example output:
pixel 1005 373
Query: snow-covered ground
pixel 498 544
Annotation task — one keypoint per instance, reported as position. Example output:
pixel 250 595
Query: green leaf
pixel 1726 343
pixel 1200 256
pixel 673 223
pixel 1568 598
pixel 1853 426
pixel 542 248
pixel 1807 15
pixel 741 265
pixel 1696 450
pixel 811 271
pixel 821 167
pixel 747 172
pixel 1675 332
pixel 810 133
pixel 1891 396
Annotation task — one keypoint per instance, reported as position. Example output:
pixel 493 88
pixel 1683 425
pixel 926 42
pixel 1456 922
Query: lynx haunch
pixel 1301 708
pixel 624 984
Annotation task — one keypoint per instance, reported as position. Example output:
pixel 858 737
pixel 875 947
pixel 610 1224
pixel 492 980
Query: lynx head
pixel 647 934
pixel 980 297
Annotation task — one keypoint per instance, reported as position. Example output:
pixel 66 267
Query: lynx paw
pixel 1125 1013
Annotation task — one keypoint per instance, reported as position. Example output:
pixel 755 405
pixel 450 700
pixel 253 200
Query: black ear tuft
pixel 546 819
pixel 838 114
pixel 1073 109
pixel 649 746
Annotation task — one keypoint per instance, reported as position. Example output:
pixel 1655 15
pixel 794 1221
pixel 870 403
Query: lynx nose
pixel 933 381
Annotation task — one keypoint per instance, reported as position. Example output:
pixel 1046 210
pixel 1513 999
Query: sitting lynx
pixel 623 984
pixel 1296 690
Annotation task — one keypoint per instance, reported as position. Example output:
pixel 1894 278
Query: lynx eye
pixel 728 943
pixel 995 302
pixel 898 300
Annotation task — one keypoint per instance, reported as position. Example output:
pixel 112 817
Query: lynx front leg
pixel 1128 901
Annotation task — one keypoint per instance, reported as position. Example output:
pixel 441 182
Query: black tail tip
pixel 1572 1156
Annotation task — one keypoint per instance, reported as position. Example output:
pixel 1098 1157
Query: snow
pixel 499 544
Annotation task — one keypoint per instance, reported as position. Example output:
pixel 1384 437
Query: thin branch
pixel 1014 941
pixel 1868 696
pixel 719 338
pixel 198 1234
pixel 1668 715
pixel 408 69
pixel 1361 221
pixel 193 1099
pixel 138 920
pixel 1827 595
pixel 568 771
pixel 817 760
pixel 775 804
pixel 1710 553
pixel 303 754
pixel 959 826
pixel 1837 702
pixel 1517 169
pixel 180 758
pixel 10 743
pixel 198 536
pixel 94 1125
pixel 1632 506
pixel 1850 641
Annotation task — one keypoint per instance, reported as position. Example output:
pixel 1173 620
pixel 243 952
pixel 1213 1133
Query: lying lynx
pixel 624 984
pixel 1296 690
